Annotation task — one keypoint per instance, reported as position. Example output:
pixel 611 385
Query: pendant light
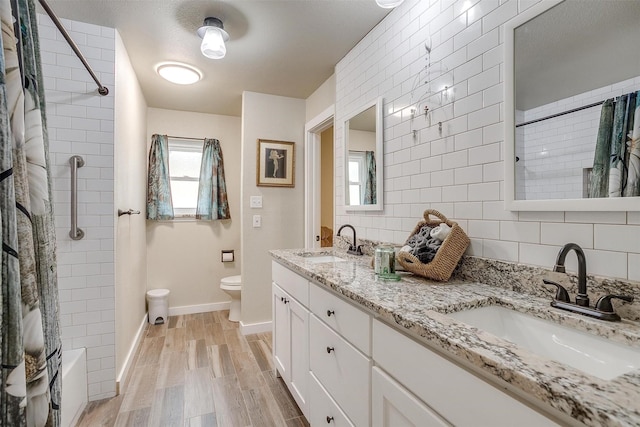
pixel 389 4
pixel 213 37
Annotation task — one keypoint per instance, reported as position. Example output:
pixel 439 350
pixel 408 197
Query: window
pixel 184 169
pixel 357 176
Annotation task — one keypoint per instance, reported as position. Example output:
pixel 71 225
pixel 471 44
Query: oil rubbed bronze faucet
pixel 353 249
pixel 603 309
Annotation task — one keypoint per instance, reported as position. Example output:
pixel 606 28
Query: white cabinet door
pixel 393 406
pixel 299 347
pixel 281 333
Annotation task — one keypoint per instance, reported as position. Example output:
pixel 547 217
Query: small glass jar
pixel 384 260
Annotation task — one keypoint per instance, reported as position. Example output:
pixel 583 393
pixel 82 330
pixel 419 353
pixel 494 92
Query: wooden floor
pixel 199 370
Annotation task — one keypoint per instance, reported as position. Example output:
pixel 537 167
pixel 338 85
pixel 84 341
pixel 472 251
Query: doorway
pixel 319 180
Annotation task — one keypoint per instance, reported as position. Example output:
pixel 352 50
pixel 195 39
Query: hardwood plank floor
pixel 198 370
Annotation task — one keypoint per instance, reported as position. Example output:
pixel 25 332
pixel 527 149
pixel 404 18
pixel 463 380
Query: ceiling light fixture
pixel 213 37
pixel 389 4
pixel 177 73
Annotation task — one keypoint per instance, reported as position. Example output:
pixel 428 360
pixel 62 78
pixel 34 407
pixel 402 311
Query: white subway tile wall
pixel 461 170
pixel 80 122
pixel 555 152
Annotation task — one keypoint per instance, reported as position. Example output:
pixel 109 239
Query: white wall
pixel 459 171
pixel 81 122
pixel 282 119
pixel 184 256
pixel 554 152
pixel 321 99
pixel 130 193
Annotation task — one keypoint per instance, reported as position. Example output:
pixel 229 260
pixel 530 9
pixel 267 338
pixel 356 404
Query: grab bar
pixel 76 162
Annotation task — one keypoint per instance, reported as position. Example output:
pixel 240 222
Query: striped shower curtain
pixel 616 165
pixel 30 341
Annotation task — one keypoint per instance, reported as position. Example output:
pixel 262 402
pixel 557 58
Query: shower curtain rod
pixel 102 90
pixel 584 107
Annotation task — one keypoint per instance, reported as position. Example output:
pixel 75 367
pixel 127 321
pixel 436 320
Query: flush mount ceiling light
pixel 213 37
pixel 181 74
pixel 388 4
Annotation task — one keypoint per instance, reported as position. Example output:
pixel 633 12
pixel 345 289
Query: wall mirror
pixel 572 113
pixel 363 157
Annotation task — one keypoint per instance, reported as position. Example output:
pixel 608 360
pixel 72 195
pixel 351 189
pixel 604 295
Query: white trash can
pixel 158 300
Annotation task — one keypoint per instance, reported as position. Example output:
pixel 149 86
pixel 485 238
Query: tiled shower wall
pixel 80 122
pixel 557 150
pixel 459 170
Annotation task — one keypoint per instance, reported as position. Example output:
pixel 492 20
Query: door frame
pixel 312 130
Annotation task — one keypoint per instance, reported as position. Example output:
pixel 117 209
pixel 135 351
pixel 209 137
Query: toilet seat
pixel 231 283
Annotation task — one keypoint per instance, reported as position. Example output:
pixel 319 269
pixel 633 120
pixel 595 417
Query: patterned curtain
pixel 212 191
pixel 599 182
pixel 370 184
pixel 159 204
pixel 616 164
pixel 622 123
pixel 633 177
pixel 30 338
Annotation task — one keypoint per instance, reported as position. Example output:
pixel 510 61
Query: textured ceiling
pixel 574 47
pixel 286 48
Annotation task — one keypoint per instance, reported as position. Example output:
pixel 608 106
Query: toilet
pixel 232 285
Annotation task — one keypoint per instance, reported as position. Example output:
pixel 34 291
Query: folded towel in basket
pixel 440 232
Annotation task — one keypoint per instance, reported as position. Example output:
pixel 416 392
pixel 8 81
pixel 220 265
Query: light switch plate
pixel 255 201
pixel 257 221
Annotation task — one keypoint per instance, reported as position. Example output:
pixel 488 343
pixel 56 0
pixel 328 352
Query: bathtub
pixel 74 385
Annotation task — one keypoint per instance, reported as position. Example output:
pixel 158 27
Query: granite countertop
pixel 420 307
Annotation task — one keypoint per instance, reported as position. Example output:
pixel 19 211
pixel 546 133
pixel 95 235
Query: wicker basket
pixel 447 256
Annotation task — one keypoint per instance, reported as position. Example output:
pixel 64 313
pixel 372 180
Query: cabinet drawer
pixel 459 396
pixel 322 409
pixel 349 321
pixel 295 285
pixel 343 371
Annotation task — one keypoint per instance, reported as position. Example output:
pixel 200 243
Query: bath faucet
pixel 353 249
pixel 603 309
pixel 582 299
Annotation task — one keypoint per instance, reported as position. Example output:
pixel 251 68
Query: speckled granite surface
pixel 420 306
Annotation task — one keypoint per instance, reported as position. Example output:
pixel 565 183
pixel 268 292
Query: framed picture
pixel 276 164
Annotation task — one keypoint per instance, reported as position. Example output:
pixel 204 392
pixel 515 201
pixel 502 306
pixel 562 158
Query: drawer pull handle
pixel 286 301
pixel 330 312
pixel 330 349
pixel 329 419
pixel 281 298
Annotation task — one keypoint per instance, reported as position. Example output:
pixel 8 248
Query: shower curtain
pixel 212 190
pixel 30 343
pixel 370 184
pixel 616 165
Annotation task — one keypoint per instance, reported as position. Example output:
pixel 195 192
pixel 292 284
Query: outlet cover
pixel 257 221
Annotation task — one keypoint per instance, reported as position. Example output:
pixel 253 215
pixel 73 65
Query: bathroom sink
pixel 591 354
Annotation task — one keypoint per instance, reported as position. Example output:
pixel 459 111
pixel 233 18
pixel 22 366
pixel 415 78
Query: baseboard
pixel 128 361
pixel 199 308
pixel 255 328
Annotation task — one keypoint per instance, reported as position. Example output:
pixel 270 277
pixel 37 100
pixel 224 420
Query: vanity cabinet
pixel 345 368
pixel 291 333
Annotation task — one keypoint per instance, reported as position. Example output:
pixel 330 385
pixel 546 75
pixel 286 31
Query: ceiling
pixel 287 48
pixel 576 46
